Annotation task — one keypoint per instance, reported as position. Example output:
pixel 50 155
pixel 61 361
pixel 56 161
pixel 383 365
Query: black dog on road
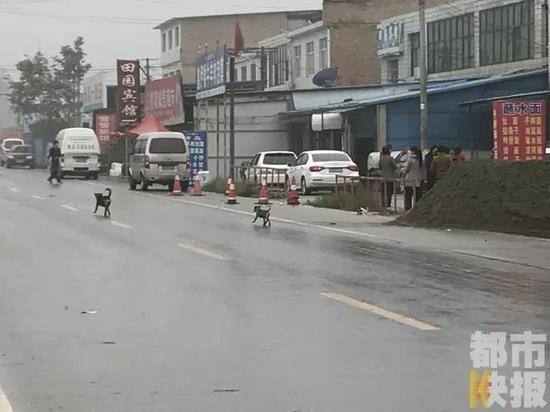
pixel 103 200
pixel 263 211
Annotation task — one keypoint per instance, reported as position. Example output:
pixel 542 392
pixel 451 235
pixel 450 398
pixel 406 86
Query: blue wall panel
pixel 450 124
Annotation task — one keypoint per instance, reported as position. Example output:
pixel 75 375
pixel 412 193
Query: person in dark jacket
pixel 387 168
pixel 430 177
pixel 54 156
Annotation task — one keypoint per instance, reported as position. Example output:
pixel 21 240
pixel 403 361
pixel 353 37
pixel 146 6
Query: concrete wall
pixel 258 126
pixel 460 7
pixel 354 38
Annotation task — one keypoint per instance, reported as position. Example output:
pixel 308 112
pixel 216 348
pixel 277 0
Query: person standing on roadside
pixel 441 163
pixel 458 156
pixel 54 156
pixel 387 168
pixel 413 178
pixel 430 179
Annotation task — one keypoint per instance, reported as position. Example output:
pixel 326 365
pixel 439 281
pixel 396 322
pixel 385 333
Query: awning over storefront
pixel 149 124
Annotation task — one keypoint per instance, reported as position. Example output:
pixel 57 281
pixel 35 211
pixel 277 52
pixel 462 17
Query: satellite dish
pixel 325 77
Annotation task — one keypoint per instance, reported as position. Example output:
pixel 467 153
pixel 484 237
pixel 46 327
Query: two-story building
pixel 183 39
pixel 292 58
pixel 466 39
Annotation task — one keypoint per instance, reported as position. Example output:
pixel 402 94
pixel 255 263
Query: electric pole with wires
pixel 423 77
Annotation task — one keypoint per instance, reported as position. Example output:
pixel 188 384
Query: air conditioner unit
pixel 416 72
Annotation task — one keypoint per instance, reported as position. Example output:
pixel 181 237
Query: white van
pixel 157 158
pixel 79 152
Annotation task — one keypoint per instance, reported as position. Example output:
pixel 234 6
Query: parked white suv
pixel 269 166
pixel 317 169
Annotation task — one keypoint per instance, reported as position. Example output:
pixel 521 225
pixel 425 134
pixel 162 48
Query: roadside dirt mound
pixel 512 197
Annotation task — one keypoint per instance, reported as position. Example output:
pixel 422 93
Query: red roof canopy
pixel 149 124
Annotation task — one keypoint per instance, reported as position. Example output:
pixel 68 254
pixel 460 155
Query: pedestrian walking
pixel 412 175
pixel 54 156
pixel 441 163
pixel 458 156
pixel 388 169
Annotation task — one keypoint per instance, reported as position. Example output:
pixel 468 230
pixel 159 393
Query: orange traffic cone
pixel 293 199
pixel 263 197
pixel 232 196
pixel 229 181
pixel 197 189
pixel 176 191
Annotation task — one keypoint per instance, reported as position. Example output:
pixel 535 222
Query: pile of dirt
pixel 511 197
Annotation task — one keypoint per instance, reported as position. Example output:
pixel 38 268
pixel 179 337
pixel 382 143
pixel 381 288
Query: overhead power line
pixel 64 16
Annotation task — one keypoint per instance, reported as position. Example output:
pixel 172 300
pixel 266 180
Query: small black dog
pixel 103 200
pixel 263 211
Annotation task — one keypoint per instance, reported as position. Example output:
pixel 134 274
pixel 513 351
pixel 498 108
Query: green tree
pixel 69 70
pixel 48 95
pixel 31 96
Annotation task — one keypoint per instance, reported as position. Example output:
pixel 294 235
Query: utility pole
pixel 232 117
pixel 147 70
pixel 548 44
pixel 423 77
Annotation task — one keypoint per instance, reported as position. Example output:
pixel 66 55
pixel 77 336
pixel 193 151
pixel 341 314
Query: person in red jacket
pixel 458 156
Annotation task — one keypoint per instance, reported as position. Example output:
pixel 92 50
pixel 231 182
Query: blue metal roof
pixel 432 89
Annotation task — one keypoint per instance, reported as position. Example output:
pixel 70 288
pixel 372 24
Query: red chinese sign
pixel 163 99
pixel 129 105
pixel 12 134
pixel 519 129
pixel 105 127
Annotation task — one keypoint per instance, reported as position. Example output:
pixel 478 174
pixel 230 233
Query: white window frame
pixel 310 58
pixel 297 61
pixel 323 53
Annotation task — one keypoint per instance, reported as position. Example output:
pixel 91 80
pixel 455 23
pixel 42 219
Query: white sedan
pixel 317 169
pixel 269 166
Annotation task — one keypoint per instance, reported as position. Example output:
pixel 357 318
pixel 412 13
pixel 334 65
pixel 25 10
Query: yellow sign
pixel 479 389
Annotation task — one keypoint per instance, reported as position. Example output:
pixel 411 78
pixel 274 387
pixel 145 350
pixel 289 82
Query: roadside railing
pixel 275 178
pixel 385 190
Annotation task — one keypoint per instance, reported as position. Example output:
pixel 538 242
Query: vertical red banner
pixel 519 129
pixel 105 127
pixel 128 84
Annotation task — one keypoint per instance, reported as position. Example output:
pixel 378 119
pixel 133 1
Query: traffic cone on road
pixel 229 181
pixel 263 197
pixel 293 198
pixel 232 196
pixel 197 189
pixel 176 190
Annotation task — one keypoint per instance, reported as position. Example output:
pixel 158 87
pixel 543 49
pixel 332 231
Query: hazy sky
pixel 111 28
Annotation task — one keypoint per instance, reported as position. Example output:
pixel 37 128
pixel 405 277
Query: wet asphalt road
pixel 199 310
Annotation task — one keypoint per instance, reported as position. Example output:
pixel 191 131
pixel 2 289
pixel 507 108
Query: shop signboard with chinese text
pixel 519 129
pixel 129 105
pixel 94 93
pixel 105 127
pixel 211 69
pixel 198 153
pixel 12 133
pixel 390 39
pixel 163 99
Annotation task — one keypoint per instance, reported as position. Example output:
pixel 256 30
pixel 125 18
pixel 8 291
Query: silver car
pixel 158 157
